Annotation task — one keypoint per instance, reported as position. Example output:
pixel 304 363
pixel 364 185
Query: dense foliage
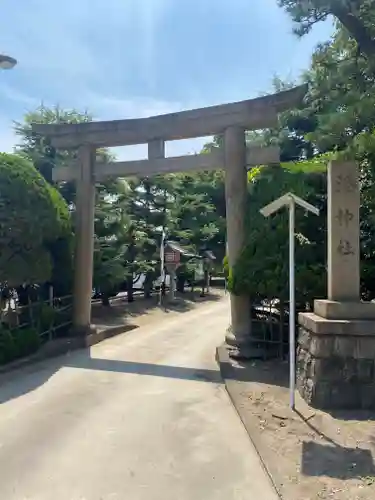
pixel 337 120
pixel 356 16
pixel 35 231
pixel 262 270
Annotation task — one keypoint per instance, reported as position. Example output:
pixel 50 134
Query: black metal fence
pixel 270 328
pixel 48 317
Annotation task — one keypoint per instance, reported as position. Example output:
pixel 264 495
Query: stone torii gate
pixel 229 120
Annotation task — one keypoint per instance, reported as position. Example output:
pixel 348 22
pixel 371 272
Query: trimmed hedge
pixel 35 227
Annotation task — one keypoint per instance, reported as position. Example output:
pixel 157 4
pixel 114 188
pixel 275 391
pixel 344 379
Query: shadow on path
pixel 269 372
pixel 16 383
pixel 336 461
pixel 150 369
pixel 121 312
pixel 27 378
pixel 332 459
pixel 20 382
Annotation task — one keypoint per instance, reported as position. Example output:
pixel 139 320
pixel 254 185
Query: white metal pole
pixel 292 306
pixel 162 266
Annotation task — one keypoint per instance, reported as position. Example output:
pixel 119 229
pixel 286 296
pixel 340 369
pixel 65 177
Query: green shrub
pixel 35 226
pixel 64 316
pixel 47 318
pixel 17 343
pixel 8 349
pixel 27 341
pixel 261 269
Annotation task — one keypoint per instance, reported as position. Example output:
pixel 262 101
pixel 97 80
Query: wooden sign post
pixel 172 262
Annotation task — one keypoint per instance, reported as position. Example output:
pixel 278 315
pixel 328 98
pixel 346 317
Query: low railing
pixel 23 329
pixel 48 317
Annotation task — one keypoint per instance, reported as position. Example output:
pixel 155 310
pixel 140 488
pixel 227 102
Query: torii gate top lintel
pixel 250 114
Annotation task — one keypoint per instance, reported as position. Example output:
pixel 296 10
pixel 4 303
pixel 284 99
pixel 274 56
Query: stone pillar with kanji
pixel 336 343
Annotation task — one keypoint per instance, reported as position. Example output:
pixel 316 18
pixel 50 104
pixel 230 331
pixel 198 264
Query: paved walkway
pixel 142 416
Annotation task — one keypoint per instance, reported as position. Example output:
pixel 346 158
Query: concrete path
pixel 142 416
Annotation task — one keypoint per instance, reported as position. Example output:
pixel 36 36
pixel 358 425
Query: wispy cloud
pixel 150 15
pixel 105 108
pixel 134 58
pixel 11 93
pixel 8 138
pixel 108 107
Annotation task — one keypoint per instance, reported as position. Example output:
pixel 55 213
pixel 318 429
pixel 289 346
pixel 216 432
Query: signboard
pixel 171 257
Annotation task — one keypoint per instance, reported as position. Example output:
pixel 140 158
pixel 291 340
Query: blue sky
pixel 134 58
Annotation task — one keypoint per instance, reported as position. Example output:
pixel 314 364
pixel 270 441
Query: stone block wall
pixel 336 371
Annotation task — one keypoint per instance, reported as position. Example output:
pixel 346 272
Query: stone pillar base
pixel 336 362
pixel 245 352
pixel 245 348
pixel 82 331
pixel 333 309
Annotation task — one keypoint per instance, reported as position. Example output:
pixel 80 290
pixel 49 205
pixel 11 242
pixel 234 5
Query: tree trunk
pixel 105 300
pixel 357 29
pixel 203 287
pixel 129 286
pixel 23 296
pixel 207 281
pixel 131 259
pixel 147 286
pixel 181 283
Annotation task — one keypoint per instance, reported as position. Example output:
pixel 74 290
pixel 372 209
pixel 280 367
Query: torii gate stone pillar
pixel 84 241
pixel 238 339
pixel 336 344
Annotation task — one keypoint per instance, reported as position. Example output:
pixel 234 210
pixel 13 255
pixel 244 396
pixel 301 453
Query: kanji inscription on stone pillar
pixel 343 231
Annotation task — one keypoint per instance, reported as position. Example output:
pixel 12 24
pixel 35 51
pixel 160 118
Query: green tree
pixel 356 16
pixel 38 149
pixel 43 155
pixel 262 269
pixel 35 229
pixel 110 245
pixel 198 216
pixel 109 264
pixel 338 119
pixel 150 209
